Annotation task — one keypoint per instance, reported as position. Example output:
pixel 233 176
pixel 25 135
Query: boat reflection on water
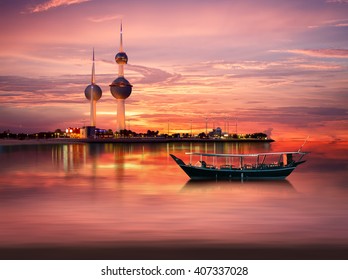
pixel 259 186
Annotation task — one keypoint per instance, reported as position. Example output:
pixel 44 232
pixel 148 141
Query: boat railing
pixel 226 166
pixel 283 159
pixel 203 164
pixel 244 167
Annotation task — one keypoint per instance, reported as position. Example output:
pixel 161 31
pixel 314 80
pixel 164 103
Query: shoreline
pixel 57 141
pixel 194 251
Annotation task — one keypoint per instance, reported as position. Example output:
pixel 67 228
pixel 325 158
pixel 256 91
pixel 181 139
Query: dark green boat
pixel 242 166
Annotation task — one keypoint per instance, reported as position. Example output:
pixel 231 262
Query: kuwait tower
pixel 121 88
pixel 93 93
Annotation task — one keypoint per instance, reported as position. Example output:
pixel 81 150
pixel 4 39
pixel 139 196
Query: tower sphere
pixel 121 88
pixel 97 92
pixel 121 58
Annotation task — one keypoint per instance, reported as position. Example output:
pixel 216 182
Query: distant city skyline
pixel 275 66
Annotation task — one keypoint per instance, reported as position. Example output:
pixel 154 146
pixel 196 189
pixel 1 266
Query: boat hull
pixel 199 173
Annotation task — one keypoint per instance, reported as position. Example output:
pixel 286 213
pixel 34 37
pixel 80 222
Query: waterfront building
pixel 73 132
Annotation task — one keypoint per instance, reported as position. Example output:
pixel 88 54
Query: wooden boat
pixel 277 165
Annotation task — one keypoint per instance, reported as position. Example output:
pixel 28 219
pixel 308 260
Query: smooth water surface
pixel 83 194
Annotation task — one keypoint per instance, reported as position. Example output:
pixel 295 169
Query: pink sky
pixel 278 66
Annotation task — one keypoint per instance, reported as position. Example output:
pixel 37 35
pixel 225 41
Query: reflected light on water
pixel 90 193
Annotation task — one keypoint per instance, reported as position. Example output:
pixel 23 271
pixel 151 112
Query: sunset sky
pixel 272 66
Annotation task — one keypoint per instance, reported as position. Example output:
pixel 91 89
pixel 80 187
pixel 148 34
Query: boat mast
pixel 299 150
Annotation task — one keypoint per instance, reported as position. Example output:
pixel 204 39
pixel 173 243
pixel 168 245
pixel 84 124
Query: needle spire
pixel 121 41
pixel 93 71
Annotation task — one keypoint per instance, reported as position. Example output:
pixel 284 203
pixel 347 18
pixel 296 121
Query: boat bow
pixel 177 160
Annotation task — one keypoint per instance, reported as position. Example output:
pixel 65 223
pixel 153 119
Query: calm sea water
pixel 78 194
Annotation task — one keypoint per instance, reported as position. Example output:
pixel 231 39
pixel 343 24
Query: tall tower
pixel 93 93
pixel 121 88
